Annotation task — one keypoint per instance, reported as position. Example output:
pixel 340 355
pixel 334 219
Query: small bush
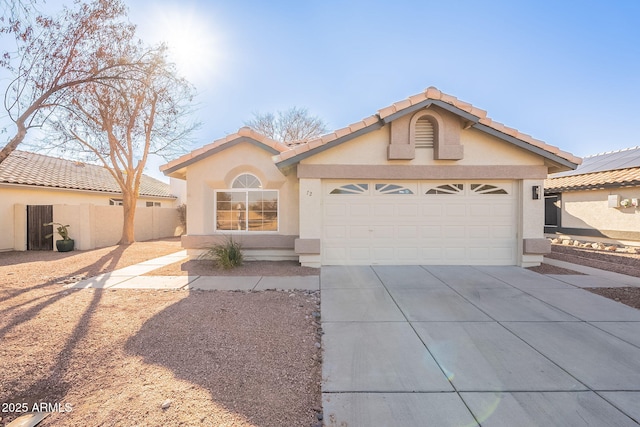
pixel 182 217
pixel 226 255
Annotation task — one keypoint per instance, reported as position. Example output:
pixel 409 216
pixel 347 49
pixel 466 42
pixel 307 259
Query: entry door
pixel 36 232
pixel 552 211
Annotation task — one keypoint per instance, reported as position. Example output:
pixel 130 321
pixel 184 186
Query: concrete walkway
pixel 132 277
pixel 596 278
pixel 491 346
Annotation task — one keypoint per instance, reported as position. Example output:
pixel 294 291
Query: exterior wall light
pixel 535 192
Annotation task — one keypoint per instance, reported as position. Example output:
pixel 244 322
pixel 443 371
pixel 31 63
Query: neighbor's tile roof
pixel 27 168
pixel 610 169
pixel 602 179
pixel 430 93
pixel 219 143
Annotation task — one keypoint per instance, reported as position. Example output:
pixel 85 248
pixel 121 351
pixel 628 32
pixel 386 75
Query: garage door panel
pixel 463 226
pixel 359 254
pixel 431 255
pixel 502 210
pixel 453 232
pixel 360 210
pixel 456 210
pixel 383 254
pixel 501 253
pixel 359 232
pixel 431 231
pixel 503 231
pixel 477 254
pixel 335 231
pixel 334 255
pixel 405 210
pixel 455 254
pixel 384 232
pixel 431 210
pixel 408 231
pixel 479 231
pixel 381 210
pixel 335 210
pixel 481 210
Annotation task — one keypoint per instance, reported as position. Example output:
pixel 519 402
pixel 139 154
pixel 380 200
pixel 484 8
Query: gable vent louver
pixel 424 133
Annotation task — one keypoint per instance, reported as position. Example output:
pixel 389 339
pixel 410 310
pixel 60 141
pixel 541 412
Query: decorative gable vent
pixel 424 133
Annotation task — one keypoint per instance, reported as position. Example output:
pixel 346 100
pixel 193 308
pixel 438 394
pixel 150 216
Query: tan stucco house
pixel 36 189
pixel 598 199
pixel 427 180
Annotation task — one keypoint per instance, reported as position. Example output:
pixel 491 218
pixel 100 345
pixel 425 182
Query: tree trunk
pixel 13 144
pixel 128 229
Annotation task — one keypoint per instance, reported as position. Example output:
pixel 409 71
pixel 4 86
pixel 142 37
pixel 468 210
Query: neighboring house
pixel 598 199
pixel 428 180
pixel 30 184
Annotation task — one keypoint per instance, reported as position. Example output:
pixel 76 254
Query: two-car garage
pixel 419 222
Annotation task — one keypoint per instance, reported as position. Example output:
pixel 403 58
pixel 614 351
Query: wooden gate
pixel 36 216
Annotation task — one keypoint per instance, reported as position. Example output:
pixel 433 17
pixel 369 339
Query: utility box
pixel 614 200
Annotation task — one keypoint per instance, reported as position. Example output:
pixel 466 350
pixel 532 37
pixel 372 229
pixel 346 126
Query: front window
pixel 246 206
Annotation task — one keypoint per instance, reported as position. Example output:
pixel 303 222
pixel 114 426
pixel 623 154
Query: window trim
pixel 246 191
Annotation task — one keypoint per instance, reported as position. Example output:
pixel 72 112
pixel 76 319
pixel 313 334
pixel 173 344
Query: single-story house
pixel 32 184
pixel 427 180
pixel 598 199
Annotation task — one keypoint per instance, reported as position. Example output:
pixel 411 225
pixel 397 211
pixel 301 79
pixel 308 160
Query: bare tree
pixel 16 14
pixel 80 48
pixel 122 122
pixel 292 126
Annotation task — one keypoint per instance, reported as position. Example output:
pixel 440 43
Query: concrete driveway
pixel 462 346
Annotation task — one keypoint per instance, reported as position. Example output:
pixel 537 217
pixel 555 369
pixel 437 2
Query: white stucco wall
pixel 479 149
pixel 10 195
pixel 589 209
pixel 217 172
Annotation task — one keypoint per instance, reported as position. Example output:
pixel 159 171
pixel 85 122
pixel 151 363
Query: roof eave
pixel 82 190
pixel 606 186
pixel 427 103
pixel 218 149
pixel 299 157
pixel 525 145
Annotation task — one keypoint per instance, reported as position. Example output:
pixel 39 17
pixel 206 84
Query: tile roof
pixel 22 167
pixel 433 94
pixel 244 132
pixel 611 169
pixel 603 179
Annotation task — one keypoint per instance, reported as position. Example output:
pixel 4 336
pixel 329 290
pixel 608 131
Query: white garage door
pixel 425 222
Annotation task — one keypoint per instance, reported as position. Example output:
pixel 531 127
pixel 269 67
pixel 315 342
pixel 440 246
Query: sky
pixel 566 72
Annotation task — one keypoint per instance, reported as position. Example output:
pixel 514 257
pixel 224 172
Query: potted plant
pixel 65 244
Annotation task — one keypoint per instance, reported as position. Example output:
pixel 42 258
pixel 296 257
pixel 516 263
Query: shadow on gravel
pixel 51 388
pixel 253 352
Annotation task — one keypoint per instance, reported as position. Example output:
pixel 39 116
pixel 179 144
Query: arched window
pixel 246 206
pixel 246 180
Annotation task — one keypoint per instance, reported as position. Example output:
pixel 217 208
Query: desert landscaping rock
pixel 230 358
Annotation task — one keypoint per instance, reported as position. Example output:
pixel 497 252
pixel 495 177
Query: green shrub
pixel 226 255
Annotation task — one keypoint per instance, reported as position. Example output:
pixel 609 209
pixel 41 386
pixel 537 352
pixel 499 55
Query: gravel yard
pixel 145 357
pixel 118 356
pixel 623 263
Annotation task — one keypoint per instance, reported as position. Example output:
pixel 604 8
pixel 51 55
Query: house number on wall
pixel 309 193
